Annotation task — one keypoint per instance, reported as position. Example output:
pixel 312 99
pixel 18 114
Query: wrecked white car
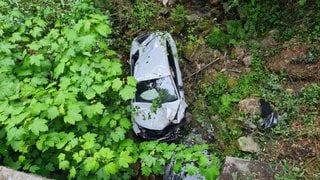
pixel 159 103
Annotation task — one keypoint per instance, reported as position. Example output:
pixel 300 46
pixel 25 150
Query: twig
pixel 204 67
pixel 293 84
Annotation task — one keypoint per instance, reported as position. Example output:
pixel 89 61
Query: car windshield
pixel 162 88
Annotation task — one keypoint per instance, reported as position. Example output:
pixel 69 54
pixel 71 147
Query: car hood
pixel 158 120
pixel 153 62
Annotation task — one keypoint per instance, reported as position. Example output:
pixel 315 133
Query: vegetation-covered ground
pixel 64 85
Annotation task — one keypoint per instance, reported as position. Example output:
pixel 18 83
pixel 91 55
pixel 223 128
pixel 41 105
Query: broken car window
pixel 147 91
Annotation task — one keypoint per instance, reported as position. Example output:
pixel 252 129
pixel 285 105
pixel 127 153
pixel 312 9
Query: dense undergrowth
pixel 63 91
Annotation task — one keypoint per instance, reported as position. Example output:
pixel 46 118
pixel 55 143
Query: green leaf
pixel 64 165
pixel 116 84
pixel 34 168
pixel 103 29
pixel 211 173
pixel 38 125
pixel 118 134
pixel 128 92
pixel 36 59
pixel 191 169
pixel 72 172
pixel 111 168
pixel 36 32
pixel 73 114
pixel 125 123
pixel 59 69
pixel 131 81
pixel 125 159
pixel 95 109
pixel 87 41
pixel 53 112
pixel 90 164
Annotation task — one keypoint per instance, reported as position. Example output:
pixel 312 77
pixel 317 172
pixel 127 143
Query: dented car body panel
pixel 154 63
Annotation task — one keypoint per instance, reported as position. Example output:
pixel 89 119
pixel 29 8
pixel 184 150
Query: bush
pixel 217 39
pixel 62 97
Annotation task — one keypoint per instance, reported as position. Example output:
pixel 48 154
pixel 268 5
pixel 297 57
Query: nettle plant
pixel 62 110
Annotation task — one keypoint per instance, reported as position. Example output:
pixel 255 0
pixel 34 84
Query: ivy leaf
pixel 111 168
pixel 36 59
pixel 127 92
pixel 38 125
pixel 125 159
pixel 103 29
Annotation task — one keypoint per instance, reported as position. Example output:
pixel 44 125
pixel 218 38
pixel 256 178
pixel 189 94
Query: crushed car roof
pixel 157 67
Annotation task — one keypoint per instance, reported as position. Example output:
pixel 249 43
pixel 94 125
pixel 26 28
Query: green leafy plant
pixel 62 95
pixel 154 156
pixel 217 39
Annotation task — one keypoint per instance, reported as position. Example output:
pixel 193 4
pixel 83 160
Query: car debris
pixel 159 103
pixel 270 117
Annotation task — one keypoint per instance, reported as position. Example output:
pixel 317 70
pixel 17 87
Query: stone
pixel 238 52
pixel 269 40
pixel 236 168
pixel 188 50
pixel 247 60
pixel 250 106
pixel 247 144
pixel 7 173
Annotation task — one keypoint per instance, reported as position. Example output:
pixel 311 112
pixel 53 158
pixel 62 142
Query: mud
pixel 285 61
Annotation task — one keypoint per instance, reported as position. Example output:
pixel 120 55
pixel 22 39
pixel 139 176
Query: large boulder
pixel 8 174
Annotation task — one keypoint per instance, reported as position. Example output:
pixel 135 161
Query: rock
pixel 6 173
pixel 247 60
pixel 247 144
pixel 188 50
pixel 236 168
pixel 250 106
pixel 269 40
pixel 238 52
